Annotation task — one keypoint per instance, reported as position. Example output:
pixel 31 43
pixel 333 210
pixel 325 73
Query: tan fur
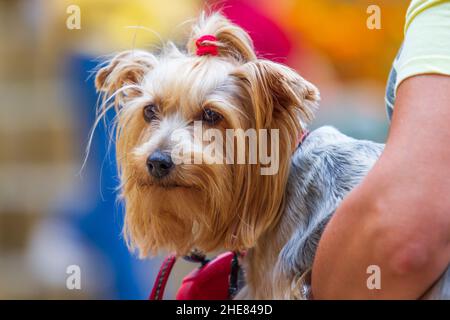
pixel 205 206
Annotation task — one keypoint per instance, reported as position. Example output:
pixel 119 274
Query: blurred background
pixel 52 213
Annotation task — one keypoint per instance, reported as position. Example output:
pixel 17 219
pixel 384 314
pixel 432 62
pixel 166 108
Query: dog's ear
pixel 123 73
pixel 274 97
pixel 276 93
pixel 232 41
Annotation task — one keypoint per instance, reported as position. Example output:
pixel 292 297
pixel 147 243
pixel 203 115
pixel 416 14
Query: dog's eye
pixel 211 117
pixel 149 112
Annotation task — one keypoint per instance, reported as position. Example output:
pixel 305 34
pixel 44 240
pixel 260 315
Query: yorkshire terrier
pixel 219 83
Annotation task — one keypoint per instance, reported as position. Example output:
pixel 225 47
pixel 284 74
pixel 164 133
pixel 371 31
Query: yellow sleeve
pixel 426 48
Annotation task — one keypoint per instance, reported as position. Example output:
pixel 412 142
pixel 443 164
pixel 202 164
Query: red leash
pixel 162 277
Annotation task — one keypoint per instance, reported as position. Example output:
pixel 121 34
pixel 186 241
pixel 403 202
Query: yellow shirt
pixel 426 48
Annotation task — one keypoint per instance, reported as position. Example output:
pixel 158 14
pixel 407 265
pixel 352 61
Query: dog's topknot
pixel 232 40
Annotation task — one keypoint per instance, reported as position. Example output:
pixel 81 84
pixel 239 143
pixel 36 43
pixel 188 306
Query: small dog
pixel 179 205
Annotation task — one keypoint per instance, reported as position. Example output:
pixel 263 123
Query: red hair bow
pixel 203 49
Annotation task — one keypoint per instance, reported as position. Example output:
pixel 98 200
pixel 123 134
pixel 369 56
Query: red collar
pixel 302 138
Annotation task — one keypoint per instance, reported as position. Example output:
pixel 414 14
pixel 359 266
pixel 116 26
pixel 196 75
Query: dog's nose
pixel 159 164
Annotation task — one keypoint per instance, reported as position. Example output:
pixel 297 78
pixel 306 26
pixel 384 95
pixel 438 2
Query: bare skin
pixel 399 217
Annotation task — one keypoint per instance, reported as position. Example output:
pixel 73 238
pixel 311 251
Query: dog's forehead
pixel 186 78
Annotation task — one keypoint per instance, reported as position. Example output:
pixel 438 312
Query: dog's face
pixel 181 181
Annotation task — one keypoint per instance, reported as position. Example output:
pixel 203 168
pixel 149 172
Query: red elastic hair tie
pixel 205 49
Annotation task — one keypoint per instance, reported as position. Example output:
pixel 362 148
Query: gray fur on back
pixel 324 169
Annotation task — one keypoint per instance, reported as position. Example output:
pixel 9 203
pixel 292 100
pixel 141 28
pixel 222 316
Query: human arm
pixel 398 218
